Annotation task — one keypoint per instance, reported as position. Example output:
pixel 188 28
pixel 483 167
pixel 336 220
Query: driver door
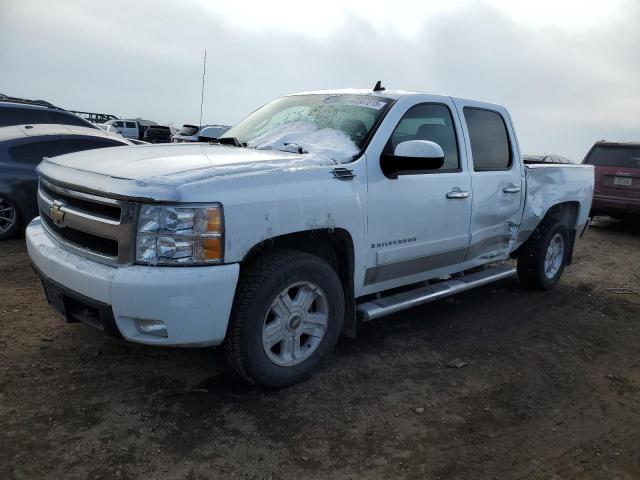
pixel 418 222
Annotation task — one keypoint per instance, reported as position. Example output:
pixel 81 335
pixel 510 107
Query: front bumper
pixel 194 303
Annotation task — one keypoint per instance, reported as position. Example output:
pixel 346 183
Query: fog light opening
pixel 157 328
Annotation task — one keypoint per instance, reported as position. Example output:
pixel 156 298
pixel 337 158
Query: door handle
pixel 511 189
pixel 457 194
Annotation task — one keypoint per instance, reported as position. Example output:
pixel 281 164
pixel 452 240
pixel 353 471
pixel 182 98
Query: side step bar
pixel 401 301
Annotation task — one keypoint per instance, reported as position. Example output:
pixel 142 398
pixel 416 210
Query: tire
pixel 536 270
pixel 9 219
pixel 261 314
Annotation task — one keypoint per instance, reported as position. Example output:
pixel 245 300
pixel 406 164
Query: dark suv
pixel 15 113
pixel 157 134
pixel 21 149
pixel 617 187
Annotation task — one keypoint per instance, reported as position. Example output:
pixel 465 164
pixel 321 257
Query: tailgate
pixel 618 182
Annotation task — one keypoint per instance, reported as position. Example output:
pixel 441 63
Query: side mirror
pixel 412 156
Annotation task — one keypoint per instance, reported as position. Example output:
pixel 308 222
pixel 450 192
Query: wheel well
pixel 565 213
pixel 335 246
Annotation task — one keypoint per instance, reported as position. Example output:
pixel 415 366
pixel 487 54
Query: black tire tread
pixel 252 278
pixel 529 255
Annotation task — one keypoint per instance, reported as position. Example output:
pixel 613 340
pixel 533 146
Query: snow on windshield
pixel 293 136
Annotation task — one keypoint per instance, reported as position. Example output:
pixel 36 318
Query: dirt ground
pixel 550 389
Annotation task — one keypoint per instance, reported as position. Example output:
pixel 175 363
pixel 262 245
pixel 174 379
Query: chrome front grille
pixel 97 227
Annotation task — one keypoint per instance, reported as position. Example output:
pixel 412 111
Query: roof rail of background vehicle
pixel 613 143
pixel 26 101
pixel 42 129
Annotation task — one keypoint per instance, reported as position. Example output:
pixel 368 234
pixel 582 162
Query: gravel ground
pixel 548 386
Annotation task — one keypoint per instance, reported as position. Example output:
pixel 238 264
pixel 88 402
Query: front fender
pixel 264 205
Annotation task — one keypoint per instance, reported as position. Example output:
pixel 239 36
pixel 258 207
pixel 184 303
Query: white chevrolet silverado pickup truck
pixel 317 212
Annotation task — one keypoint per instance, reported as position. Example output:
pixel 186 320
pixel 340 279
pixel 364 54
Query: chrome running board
pixel 386 305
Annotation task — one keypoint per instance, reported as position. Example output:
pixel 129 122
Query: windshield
pixel 337 126
pixel 188 130
pixel 614 157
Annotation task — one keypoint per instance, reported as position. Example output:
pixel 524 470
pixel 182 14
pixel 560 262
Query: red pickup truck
pixel 617 178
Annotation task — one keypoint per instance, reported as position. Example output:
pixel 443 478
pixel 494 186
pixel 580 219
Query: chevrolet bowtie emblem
pixel 56 213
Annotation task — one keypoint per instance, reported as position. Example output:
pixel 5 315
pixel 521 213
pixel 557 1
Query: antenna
pixel 204 72
pixel 378 87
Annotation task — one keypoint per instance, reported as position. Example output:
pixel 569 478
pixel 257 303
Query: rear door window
pixel 188 130
pixel 130 124
pixel 22 116
pixel 604 156
pixel 34 151
pixel 489 139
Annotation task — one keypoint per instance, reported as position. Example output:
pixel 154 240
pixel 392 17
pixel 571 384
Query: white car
pixel 193 133
pixel 127 128
pixel 317 212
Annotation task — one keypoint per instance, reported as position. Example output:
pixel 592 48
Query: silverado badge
pixel 56 213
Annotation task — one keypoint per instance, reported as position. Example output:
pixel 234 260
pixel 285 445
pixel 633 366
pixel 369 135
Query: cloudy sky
pixel 568 70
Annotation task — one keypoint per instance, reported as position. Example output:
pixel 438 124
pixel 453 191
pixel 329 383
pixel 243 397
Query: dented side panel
pixel 549 185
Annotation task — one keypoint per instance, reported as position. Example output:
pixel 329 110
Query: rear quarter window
pixel 34 151
pixel 68 119
pixel 72 144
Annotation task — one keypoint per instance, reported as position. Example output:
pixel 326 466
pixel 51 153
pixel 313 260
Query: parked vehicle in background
pixel 107 128
pixel 205 133
pixel 22 147
pixel 157 134
pixel 533 158
pixel 15 113
pixel 617 185
pixel 318 211
pixel 128 128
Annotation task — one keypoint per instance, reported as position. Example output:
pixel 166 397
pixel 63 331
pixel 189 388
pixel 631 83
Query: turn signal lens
pixel 214 220
pixel 212 249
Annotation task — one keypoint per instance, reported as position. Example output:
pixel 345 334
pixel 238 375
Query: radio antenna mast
pixel 204 72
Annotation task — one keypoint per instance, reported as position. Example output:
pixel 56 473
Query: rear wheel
pixel 286 320
pixel 543 257
pixel 9 218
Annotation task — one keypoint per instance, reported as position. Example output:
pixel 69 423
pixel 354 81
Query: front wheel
pixel 286 320
pixel 9 218
pixel 543 257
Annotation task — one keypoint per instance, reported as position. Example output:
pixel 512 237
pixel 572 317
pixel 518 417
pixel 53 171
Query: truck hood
pixel 152 171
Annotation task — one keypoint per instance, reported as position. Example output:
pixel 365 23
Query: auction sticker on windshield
pixel 356 101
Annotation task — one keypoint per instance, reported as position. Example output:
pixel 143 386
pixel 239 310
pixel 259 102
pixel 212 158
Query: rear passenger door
pixel 131 130
pixel 497 177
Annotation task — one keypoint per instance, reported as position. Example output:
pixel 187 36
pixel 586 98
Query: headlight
pixel 177 235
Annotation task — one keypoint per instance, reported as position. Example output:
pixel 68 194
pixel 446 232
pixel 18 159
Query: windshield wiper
pixel 231 141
